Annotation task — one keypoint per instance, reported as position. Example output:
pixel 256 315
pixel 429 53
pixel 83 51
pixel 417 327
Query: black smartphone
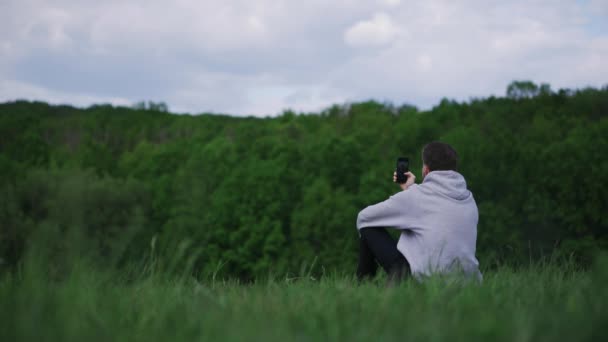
pixel 403 166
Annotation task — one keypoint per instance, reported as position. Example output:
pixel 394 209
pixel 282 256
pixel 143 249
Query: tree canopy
pixel 246 197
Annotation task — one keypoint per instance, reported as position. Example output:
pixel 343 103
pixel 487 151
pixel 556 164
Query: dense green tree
pixel 522 89
pixel 248 197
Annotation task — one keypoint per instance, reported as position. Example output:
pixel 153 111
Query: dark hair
pixel 440 156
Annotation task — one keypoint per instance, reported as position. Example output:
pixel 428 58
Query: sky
pixel 260 57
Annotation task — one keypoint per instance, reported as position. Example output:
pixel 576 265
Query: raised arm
pixel 390 213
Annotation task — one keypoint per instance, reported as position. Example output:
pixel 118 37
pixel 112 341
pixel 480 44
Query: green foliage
pixel 67 214
pixel 246 197
pixel 527 89
pixel 319 225
pixel 155 106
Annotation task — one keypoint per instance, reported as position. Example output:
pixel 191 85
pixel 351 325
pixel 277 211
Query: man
pixel 437 220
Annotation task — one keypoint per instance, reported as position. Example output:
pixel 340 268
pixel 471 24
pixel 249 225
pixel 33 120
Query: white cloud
pixel 377 31
pixel 202 26
pixel 262 56
pixel 425 62
pixel 463 51
pixel 391 3
pixel 600 7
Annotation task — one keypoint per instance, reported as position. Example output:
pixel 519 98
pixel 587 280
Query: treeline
pixel 248 197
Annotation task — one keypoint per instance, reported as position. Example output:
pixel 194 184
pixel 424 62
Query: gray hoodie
pixel 438 220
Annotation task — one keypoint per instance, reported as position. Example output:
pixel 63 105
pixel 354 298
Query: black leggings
pixel 376 246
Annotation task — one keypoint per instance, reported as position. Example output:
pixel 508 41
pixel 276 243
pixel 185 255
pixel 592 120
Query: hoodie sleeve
pixel 390 213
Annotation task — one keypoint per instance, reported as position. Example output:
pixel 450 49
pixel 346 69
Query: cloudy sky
pixel 262 56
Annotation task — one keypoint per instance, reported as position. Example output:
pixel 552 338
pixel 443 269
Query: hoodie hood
pixel 448 183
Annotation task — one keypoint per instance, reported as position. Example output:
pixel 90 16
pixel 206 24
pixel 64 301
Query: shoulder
pixel 412 191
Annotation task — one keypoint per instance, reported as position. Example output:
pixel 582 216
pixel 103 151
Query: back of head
pixel 439 156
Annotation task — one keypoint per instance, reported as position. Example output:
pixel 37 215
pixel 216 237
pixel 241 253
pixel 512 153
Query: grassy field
pixel 540 303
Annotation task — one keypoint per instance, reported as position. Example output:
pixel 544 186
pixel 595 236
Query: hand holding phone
pixel 403 166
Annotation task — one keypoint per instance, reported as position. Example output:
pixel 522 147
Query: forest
pixel 248 197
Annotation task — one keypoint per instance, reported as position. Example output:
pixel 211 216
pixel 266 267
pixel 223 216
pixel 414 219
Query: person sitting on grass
pixel 437 220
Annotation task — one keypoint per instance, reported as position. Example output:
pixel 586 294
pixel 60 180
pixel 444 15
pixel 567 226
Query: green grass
pixel 540 303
